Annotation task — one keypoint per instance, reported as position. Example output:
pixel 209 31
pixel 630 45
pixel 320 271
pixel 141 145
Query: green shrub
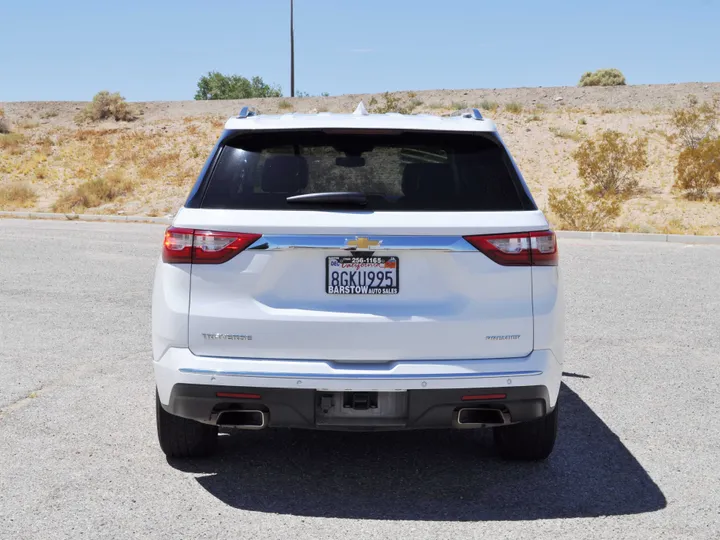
pixel 215 85
pixel 392 104
pixel 284 104
pixel 603 77
pixel 580 210
pixel 696 121
pixel 609 162
pixel 106 105
pixel 698 169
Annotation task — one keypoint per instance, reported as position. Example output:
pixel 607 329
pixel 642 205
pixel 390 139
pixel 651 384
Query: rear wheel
pixel 181 437
pixel 530 441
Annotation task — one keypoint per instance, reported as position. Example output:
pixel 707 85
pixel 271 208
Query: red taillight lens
pixel 518 249
pixel 544 248
pixel 203 247
pixel 177 247
pixel 211 247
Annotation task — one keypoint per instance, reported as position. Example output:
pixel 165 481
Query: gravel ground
pixel 636 458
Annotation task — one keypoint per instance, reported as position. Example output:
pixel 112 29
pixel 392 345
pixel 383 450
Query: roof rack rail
pixel 469 113
pixel 246 112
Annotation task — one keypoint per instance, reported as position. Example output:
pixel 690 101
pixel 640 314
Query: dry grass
pixel 514 107
pixel 158 166
pixel 17 195
pixel 566 134
pixel 94 193
pixel 28 124
pixel 31 164
pixel 12 143
pixel 488 105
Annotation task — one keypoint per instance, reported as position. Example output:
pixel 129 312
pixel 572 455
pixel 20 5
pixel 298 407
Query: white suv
pixel 358 272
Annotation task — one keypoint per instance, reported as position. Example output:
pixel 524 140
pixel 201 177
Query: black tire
pixel 183 438
pixel 528 441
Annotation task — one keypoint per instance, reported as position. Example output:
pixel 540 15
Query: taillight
pixel 518 249
pixel 544 250
pixel 177 247
pixel 203 247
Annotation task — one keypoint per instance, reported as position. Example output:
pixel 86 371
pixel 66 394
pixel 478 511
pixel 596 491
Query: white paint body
pixel 440 331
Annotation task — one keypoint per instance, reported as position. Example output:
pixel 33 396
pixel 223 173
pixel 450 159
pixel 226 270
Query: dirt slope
pixel 162 151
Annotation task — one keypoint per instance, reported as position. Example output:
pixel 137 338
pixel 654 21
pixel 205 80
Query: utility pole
pixel 292 52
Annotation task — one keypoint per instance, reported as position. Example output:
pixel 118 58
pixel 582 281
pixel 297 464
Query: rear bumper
pixel 421 409
pixel 181 367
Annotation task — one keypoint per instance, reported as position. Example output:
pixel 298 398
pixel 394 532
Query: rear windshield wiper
pixel 332 197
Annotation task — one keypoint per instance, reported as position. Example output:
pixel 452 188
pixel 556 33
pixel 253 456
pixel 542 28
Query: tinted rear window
pixel 396 171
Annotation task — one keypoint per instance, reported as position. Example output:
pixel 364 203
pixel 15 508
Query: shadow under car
pixel 433 475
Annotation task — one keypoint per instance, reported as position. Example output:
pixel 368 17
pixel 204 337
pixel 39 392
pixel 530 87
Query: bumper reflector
pixel 237 396
pixel 484 397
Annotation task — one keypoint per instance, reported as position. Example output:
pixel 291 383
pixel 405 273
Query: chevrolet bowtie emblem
pixel 362 243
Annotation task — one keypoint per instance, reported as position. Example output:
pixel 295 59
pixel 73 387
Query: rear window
pixel 398 171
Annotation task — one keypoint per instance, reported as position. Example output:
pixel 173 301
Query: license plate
pixel 362 275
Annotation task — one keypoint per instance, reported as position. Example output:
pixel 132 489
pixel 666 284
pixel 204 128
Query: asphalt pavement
pixel 637 454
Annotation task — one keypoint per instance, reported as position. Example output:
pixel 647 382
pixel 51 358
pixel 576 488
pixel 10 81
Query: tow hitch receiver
pixel 360 401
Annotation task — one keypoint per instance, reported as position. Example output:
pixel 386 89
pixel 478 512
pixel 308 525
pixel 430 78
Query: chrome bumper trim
pixel 341 242
pixel 363 376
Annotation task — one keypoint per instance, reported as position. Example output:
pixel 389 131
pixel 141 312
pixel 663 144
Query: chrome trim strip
pixel 339 242
pixel 413 376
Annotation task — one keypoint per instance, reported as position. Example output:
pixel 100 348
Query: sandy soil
pixel 164 149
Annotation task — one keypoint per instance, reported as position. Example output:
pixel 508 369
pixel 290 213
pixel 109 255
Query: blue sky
pixel 157 49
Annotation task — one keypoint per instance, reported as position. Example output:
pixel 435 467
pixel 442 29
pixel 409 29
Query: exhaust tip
pixel 242 419
pixel 471 418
